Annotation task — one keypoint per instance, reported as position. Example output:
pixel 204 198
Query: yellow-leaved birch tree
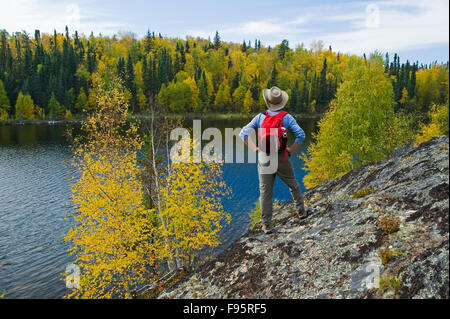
pixel 114 237
pixel 191 196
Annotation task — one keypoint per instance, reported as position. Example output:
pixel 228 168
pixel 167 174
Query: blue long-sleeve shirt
pixel 288 122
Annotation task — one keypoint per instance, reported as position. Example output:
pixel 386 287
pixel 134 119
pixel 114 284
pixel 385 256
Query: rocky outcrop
pixel 341 250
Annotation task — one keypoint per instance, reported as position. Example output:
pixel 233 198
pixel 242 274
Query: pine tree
pixel 121 68
pixel 164 67
pixel 81 101
pixel 129 82
pixel 323 85
pixel 295 98
pixel 54 107
pixel 305 98
pixel 386 61
pixel 147 76
pixel 217 42
pixel 283 48
pixel 3 51
pixel 69 101
pixel 203 91
pixel 91 58
pixel 235 82
pixel 254 88
pixel 273 77
pixel 244 46
pixel 412 83
pixel 4 103
pixel 148 42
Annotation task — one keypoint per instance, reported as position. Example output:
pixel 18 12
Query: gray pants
pixel 286 172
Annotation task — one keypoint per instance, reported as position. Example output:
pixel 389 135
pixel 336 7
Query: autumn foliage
pixel 120 240
pixel 438 124
pixel 359 128
pixel 115 241
pixel 191 197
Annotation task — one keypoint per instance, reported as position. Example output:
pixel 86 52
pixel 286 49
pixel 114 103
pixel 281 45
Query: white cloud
pixel 269 27
pixel 357 27
pixel 353 27
pixel 402 25
pixel 28 15
pixel 273 28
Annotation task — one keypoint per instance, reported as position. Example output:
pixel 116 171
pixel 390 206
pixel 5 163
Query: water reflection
pixel 35 194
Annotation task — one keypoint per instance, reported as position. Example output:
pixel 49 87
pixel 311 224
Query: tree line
pixel 373 115
pixel 138 218
pixel 55 76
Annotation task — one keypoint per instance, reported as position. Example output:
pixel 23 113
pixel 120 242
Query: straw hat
pixel 275 98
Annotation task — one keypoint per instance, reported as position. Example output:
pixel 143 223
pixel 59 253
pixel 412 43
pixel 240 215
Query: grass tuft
pixel 389 223
pixel 363 192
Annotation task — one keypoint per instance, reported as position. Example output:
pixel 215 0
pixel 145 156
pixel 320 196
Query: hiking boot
pixel 266 228
pixel 302 213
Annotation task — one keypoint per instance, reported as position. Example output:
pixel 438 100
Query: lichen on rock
pixel 335 252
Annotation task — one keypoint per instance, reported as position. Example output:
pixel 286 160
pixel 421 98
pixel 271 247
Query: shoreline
pixel 39 122
pixel 221 116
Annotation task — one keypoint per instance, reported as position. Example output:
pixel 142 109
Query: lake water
pixel 35 178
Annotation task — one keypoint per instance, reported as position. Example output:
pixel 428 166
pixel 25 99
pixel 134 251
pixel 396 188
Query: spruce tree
pixel 283 48
pixel 148 42
pixel 295 98
pixel 203 91
pixel 121 68
pixel 273 77
pixel 4 102
pixel 53 107
pixel 323 85
pixel 305 98
pixel 217 42
pixel 235 82
pixel 244 46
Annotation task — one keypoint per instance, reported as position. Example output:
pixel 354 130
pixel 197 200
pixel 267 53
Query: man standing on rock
pixel 272 125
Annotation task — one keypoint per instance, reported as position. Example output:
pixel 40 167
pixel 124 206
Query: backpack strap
pixel 284 151
pixel 282 114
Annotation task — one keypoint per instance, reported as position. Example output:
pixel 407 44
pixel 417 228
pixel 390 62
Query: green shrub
pixel 387 254
pixel 255 215
pixel 389 282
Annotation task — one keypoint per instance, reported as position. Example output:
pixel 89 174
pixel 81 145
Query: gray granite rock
pixel 335 252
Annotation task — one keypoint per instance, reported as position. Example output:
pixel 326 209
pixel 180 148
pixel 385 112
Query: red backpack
pixel 279 136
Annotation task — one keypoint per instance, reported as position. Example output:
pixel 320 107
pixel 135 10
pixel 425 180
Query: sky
pixel 416 30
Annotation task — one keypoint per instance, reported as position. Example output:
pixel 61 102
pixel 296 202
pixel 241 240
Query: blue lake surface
pixel 35 178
